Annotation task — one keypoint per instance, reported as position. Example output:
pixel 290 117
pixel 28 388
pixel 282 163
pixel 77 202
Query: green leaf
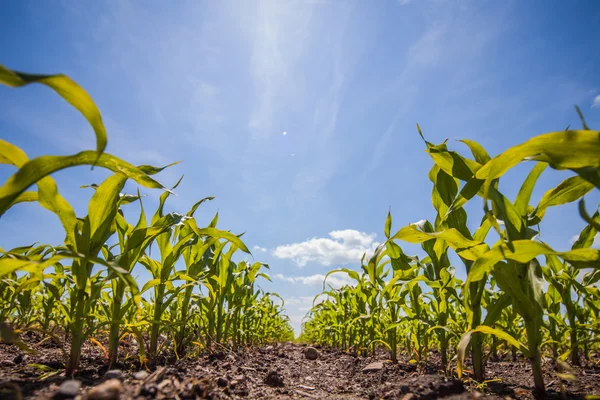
pixel 494 311
pixel 575 150
pixel 522 200
pixel 466 338
pixel 481 156
pixel 40 167
pixel 388 225
pixel 102 209
pixel 466 248
pixel 150 284
pixel 568 191
pixel 217 233
pixel 524 251
pixel 192 210
pixel 68 90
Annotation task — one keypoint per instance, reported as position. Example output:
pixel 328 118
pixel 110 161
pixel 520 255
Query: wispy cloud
pixel 258 248
pixel 596 102
pixel 341 247
pixel 335 280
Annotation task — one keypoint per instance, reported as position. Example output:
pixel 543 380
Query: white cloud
pixel 596 102
pixel 335 280
pixel 258 248
pixel 284 133
pixel 343 247
pixel 298 300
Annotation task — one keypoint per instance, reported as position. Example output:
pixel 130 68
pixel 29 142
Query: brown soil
pixel 278 372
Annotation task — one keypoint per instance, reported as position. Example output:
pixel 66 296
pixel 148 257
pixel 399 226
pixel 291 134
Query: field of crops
pixel 521 298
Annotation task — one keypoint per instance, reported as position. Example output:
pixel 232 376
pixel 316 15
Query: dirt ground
pixel 279 371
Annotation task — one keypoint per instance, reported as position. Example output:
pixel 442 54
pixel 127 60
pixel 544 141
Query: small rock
pixel 109 390
pixel 163 384
pixel 222 382
pixel 18 359
pixel 141 375
pixel 274 378
pixel 68 389
pixel 113 374
pixel 373 367
pixel 409 396
pixel 310 353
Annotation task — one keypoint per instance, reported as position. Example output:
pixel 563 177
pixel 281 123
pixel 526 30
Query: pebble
pixel 113 374
pixel 274 378
pixel 69 389
pixel 222 382
pixel 311 353
pixel 409 396
pixel 141 375
pixel 109 390
pixel 373 367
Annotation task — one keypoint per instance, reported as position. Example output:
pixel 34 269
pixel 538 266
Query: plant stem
pixel 533 333
pixel 77 333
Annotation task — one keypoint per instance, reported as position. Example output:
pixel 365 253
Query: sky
pixel 298 116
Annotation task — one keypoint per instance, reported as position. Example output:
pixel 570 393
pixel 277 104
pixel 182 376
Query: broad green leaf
pixel 466 248
pixel 47 195
pixel 575 150
pixel 352 274
pixel 151 170
pixel 11 154
pixel 453 163
pixel 102 209
pixel 192 210
pixel 588 234
pixel 481 156
pixel 568 191
pixel 217 233
pixel 494 311
pixel 586 217
pixel 68 90
pixel 40 167
pixel 150 284
pixel 466 338
pixel 524 251
pixel 388 225
pixel 25 197
pixel 522 200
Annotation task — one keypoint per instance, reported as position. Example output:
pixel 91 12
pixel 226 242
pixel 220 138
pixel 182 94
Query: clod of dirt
pixel 222 382
pixel 141 375
pixel 68 389
pixel 274 378
pixel 373 367
pixel 109 390
pixel 113 374
pixel 311 353
pixel 237 380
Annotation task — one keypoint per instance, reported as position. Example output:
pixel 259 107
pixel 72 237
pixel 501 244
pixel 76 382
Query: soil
pixel 279 371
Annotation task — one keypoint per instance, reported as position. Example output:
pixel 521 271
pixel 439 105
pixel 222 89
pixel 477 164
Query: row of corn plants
pixel 519 294
pixel 197 297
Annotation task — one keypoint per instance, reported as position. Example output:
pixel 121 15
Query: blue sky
pixel 299 116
